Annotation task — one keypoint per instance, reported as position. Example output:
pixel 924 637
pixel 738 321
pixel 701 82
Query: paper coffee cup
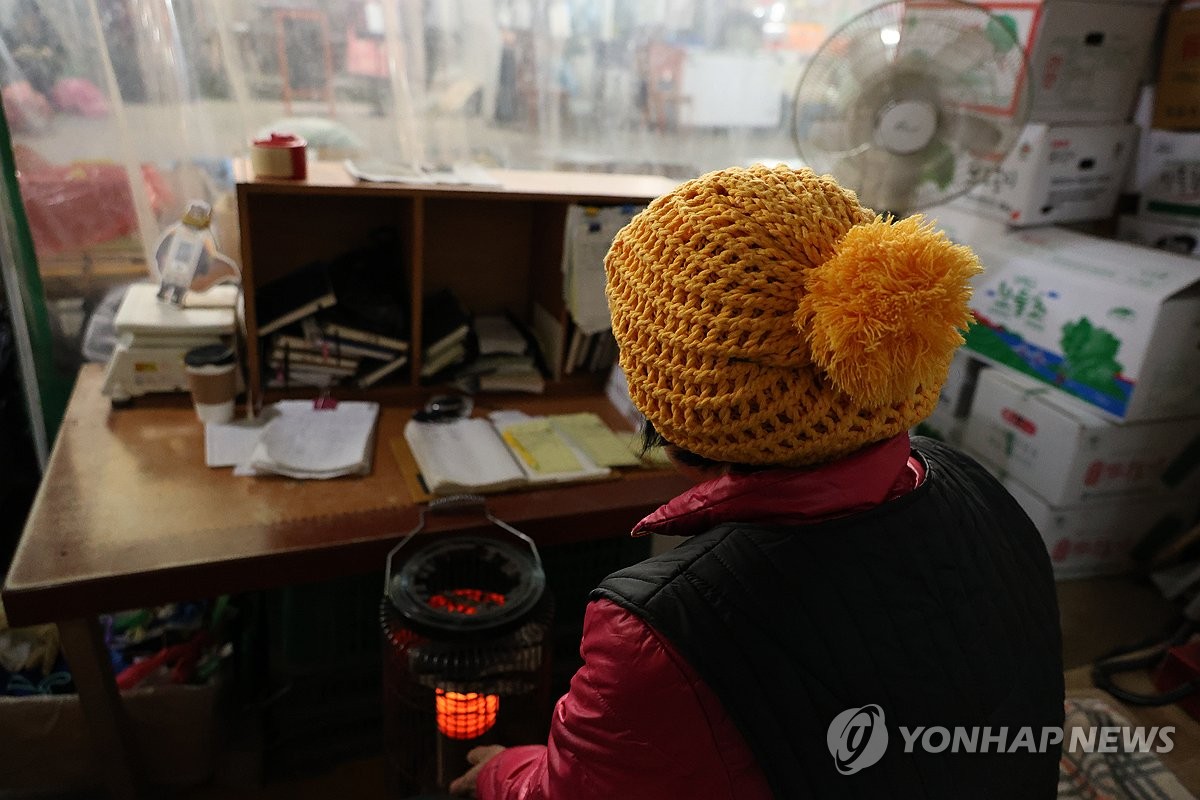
pixel 212 377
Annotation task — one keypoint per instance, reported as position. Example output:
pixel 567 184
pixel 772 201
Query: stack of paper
pixel 299 441
pixel 497 335
pixel 544 454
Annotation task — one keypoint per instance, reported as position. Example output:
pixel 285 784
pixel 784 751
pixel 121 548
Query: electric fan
pixel 912 103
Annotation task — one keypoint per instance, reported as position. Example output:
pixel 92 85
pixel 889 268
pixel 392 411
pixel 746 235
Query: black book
pixel 292 297
pixel 371 287
pixel 444 323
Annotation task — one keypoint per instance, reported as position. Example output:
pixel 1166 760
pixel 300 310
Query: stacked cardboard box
pixel 1099 492
pixel 1086 60
pixel 1089 408
pixel 948 421
pixel 1091 414
pixel 1165 182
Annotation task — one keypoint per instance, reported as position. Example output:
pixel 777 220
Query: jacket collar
pixel 791 496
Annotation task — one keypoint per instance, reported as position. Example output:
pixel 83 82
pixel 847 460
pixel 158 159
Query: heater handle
pixel 457 502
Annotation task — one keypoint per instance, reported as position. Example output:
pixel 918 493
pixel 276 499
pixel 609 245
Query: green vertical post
pixel 53 388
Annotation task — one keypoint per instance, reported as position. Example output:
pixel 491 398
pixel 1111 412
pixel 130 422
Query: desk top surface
pixel 128 514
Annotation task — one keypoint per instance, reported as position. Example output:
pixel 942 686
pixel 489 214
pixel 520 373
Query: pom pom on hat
pixel 882 316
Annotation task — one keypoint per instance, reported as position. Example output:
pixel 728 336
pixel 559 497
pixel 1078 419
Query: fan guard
pixel 912 103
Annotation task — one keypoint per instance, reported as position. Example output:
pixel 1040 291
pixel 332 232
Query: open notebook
pixel 511 449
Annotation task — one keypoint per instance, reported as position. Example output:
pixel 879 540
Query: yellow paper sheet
pixel 599 442
pixel 541 447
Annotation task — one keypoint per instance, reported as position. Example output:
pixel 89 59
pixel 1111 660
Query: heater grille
pixel 466 585
pixel 466 641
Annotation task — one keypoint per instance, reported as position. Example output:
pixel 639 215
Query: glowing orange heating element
pixel 466 601
pixel 466 716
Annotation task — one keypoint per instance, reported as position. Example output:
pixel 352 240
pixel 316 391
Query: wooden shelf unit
pixel 499 248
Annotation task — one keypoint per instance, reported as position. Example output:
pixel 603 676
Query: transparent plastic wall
pixel 121 111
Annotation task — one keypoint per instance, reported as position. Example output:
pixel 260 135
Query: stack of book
pixel 506 361
pixel 341 322
pixel 446 334
pixel 326 348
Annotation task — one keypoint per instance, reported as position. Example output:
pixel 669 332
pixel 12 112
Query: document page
pixel 465 455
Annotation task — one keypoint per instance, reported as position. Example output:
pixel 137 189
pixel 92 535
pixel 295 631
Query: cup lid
pixel 210 355
pixel 280 140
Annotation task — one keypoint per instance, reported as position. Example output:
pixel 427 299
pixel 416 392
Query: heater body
pixel 466 628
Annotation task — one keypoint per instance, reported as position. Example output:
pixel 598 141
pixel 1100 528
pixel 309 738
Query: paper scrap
pixel 229 444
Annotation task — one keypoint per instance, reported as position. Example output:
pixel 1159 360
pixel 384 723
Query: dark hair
pixel 651 439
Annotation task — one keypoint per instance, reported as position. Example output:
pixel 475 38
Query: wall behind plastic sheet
pixel 123 110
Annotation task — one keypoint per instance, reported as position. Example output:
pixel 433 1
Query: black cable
pixel 1104 669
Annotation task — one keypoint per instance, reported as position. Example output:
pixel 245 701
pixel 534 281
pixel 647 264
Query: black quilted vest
pixel 938 607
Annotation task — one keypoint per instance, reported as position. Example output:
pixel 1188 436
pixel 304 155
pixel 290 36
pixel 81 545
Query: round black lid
pixel 210 355
pixel 467 584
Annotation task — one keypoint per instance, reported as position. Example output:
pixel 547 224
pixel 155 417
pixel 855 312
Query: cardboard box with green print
pixel 1114 324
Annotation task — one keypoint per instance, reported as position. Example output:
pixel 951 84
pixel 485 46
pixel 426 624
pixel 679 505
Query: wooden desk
pixel 128 515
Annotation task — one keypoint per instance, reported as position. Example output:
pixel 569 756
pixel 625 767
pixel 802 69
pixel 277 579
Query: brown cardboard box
pixel 44 743
pixel 1177 97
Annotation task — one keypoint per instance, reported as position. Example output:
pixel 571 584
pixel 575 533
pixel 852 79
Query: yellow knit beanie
pixel 765 317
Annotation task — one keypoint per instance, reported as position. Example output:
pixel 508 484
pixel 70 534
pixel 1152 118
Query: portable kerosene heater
pixel 466 642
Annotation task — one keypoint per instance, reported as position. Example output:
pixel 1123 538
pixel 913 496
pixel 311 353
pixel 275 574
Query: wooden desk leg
pixel 108 729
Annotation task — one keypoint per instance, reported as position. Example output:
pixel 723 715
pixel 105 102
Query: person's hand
pixel 465 784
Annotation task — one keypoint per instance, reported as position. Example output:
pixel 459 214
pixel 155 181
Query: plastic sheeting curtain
pixel 120 111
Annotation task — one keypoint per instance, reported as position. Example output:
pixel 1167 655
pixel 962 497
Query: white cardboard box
pixel 1097 538
pixel 1024 429
pixel 1180 236
pixel 1086 57
pixel 1111 323
pixel 1058 173
pixel 961 380
pixel 941 424
pixel 1168 175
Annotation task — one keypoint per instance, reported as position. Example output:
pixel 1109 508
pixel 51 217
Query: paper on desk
pixel 601 444
pixel 376 171
pixel 540 447
pixel 539 453
pixel 305 442
pixel 228 444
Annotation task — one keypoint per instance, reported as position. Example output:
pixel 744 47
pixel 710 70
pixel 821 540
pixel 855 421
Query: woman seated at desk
pixel 840 582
